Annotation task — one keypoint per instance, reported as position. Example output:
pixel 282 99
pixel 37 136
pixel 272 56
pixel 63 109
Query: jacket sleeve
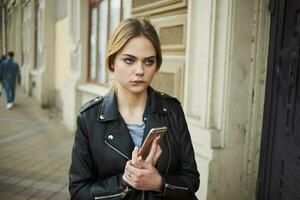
pixel 184 183
pixel 83 183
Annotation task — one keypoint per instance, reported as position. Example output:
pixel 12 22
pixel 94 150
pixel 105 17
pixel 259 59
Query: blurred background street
pixel 34 151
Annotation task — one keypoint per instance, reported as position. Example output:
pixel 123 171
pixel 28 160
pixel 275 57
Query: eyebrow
pixel 131 56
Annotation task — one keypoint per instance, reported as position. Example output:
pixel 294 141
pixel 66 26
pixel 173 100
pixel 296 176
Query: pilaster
pixel 78 28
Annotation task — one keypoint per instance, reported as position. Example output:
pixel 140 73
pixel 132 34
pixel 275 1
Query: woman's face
pixel 135 65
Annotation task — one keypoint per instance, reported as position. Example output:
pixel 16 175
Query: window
pixel 104 16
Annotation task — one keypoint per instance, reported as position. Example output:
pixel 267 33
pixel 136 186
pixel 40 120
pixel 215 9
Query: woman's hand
pixel 146 177
pixel 141 174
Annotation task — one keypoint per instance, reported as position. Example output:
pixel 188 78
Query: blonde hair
pixel 127 29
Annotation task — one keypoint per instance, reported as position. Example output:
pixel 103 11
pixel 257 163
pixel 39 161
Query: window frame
pixel 94 4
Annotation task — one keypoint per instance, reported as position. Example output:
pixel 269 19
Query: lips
pixel 138 81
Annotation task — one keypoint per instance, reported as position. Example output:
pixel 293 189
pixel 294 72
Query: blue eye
pixel 150 62
pixel 128 60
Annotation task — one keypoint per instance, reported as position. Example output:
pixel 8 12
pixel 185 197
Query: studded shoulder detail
pixel 90 104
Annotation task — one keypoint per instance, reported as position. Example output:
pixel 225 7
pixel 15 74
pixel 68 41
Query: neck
pixel 131 100
pixel 131 105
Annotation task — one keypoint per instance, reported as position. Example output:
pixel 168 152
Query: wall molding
pixel 208 66
pixel 169 22
pixel 259 56
pixel 158 7
pixel 173 65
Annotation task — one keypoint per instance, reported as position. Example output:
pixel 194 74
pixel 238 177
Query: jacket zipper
pixel 119 152
pixel 143 194
pixel 170 154
pixel 178 187
pixel 108 196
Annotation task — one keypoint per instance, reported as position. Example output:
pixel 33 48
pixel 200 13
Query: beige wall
pixel 233 169
pixel 14 30
pixel 62 58
pixel 78 38
pixel 44 74
pixel 2 30
pixel 28 46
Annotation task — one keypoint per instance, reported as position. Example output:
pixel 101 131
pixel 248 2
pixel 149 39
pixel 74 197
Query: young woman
pixel 110 130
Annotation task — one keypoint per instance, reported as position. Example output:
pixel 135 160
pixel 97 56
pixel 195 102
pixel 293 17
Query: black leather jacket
pixel 103 145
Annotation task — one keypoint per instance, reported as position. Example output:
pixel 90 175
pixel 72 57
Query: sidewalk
pixel 34 152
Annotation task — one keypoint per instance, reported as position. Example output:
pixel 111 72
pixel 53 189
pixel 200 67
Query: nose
pixel 139 69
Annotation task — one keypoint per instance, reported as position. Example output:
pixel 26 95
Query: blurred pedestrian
pixel 10 72
pixel 3 57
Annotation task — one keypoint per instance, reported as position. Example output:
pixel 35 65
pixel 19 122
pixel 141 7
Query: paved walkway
pixel 34 152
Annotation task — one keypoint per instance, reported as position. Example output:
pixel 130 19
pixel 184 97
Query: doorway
pixel 279 170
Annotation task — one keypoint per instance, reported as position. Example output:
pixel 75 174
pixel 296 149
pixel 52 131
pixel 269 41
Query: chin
pixel 138 90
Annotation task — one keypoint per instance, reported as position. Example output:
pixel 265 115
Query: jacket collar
pixel 108 109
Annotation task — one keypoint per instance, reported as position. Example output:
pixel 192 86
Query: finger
pixel 128 163
pixel 139 173
pixel 131 179
pixel 134 155
pixel 140 158
pixel 128 173
pixel 150 157
pixel 126 166
pixel 147 166
pixel 130 168
pixel 157 155
pixel 127 170
pixel 128 180
pixel 138 163
pixel 124 178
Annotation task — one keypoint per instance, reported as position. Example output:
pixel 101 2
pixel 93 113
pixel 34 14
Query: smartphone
pixel 153 133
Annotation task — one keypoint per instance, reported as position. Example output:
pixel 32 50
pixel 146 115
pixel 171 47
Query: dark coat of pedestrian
pixel 10 73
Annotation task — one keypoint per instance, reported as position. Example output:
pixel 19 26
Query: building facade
pixel 214 61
